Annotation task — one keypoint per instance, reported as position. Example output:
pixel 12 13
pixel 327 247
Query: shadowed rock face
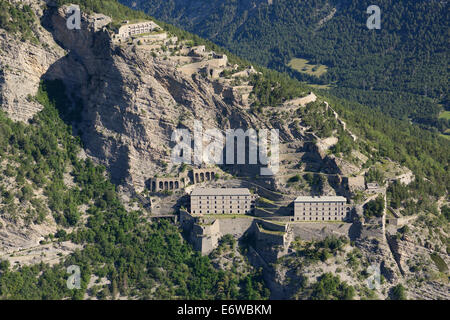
pixel 22 65
pixel 131 100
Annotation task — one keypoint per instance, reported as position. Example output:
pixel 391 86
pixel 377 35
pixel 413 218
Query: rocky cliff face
pixel 418 268
pixel 23 64
pixel 133 97
pixel 133 101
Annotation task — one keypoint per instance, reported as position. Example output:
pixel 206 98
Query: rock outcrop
pixel 132 101
pixel 22 65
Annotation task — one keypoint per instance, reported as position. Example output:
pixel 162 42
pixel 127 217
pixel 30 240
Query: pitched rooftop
pixel 320 199
pixel 220 192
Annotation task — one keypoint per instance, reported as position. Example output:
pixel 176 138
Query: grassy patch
pixel 295 178
pixel 445 115
pixel 265 200
pixel 264 230
pixel 440 263
pixel 320 86
pixel 303 66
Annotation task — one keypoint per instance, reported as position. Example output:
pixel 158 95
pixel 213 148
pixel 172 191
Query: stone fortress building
pixel 222 201
pixel 131 29
pixel 166 184
pixel 324 208
pixel 194 176
pixel 204 224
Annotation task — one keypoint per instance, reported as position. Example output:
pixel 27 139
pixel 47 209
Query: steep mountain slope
pixel 59 209
pixel 123 101
pixel 400 69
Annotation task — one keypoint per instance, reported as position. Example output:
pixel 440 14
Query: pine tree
pixel 115 289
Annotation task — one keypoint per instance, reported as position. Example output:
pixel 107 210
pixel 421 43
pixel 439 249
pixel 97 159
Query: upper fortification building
pixel 222 201
pixel 131 29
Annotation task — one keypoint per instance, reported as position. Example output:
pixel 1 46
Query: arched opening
pixel 202 176
pixel 166 185
pixel 171 185
pixel 208 177
pixel 177 185
pixel 196 180
pixel 161 185
pixel 153 186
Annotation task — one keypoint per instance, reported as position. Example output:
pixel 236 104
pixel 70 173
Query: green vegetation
pixel 398 292
pixel 320 250
pixel 445 115
pixel 302 65
pixel 18 19
pixel 262 200
pixel 295 178
pixel 354 258
pixel 397 194
pixel 425 153
pixel 110 8
pixel 440 263
pixel 375 175
pixel 268 231
pixel 272 88
pixel 374 208
pixel 135 256
pixel 330 287
pixel 446 212
pixel 315 182
pixel 320 119
pixel 250 282
pixel 345 144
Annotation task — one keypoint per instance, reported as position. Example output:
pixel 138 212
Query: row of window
pixel 323 209
pixel 314 219
pixel 221 202
pixel 223 197
pixel 232 207
pixel 140 26
pixel 218 211
pixel 323 213
pixel 138 31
